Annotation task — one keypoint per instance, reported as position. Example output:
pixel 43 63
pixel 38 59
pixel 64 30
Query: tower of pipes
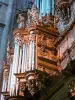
pixel 33 49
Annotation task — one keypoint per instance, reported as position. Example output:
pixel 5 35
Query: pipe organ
pixel 33 49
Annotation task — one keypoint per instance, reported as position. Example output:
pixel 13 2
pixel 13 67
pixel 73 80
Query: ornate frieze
pixel 45 41
pixel 45 47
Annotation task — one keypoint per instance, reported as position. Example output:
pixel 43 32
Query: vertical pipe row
pixel 14 69
pixel 45 7
pixel 4 38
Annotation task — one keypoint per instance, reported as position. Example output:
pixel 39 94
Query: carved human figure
pixel 21 21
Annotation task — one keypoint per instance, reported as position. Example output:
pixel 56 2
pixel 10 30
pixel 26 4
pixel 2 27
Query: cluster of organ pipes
pixel 45 7
pixel 23 60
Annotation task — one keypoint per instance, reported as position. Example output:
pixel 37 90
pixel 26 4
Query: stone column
pixel 4 38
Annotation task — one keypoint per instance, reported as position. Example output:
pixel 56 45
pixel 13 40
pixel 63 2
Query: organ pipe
pixel 22 70
pixel 9 81
pixel 25 58
pixel 30 55
pixel 48 6
pixel 52 7
pixel 33 55
pixel 20 58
